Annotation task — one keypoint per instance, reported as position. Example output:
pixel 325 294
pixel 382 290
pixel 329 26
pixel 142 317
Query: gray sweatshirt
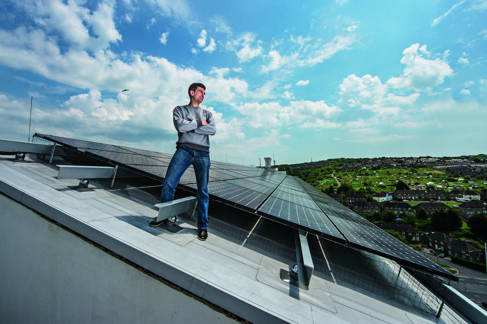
pixel 191 132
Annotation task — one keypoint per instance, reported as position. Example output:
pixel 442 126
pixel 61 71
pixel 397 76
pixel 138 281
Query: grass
pixel 447 267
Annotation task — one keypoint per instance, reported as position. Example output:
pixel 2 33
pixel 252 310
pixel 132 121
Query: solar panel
pixel 272 194
pixel 361 233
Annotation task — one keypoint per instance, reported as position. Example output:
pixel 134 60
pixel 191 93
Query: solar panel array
pixel 271 194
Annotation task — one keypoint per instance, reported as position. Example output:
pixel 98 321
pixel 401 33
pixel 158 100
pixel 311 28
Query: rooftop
pixel 240 267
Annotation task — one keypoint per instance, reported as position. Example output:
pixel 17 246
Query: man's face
pixel 198 95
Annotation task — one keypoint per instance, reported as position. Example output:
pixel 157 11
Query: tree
pixel 478 226
pixel 421 213
pixel 388 216
pixel 446 221
pixel 344 188
pixel 400 185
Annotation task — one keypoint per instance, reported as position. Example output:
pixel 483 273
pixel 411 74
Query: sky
pixel 297 81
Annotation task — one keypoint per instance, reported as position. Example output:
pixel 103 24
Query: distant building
pixel 466 250
pixel 420 195
pixel 382 196
pixel 353 198
pixel 400 208
pixel 431 207
pixel 483 195
pixel 438 242
pixel 365 207
pixel 407 230
pixel 472 208
pixel 467 196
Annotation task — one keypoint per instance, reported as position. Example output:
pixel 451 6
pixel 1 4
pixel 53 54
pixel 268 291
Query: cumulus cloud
pixel 211 46
pixel 297 112
pixel 276 61
pixel 366 92
pixel 76 24
pixel 351 28
pixel 201 41
pixel 302 82
pixel 163 38
pixel 420 72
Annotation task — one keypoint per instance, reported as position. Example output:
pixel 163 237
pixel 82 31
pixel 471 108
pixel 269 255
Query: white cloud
pixel 420 72
pixel 246 47
pixel 392 99
pixel 150 23
pixel 351 28
pixel 302 82
pixel 437 20
pixel 302 113
pixel 103 25
pixel 341 2
pixel 128 18
pixel 163 38
pixel 276 61
pixel 73 22
pixel 465 92
pixel 483 33
pixel 463 60
pixel 366 92
pixel 309 52
pixel 320 123
pixel 103 110
pixel 288 95
pixel 201 41
pixel 221 26
pixel 479 5
pixel 211 46
pixel 178 9
pixel 319 52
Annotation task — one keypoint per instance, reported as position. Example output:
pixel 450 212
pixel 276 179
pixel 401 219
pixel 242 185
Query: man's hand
pixel 204 122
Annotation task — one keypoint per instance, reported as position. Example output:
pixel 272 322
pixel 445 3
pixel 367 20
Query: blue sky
pixel 300 81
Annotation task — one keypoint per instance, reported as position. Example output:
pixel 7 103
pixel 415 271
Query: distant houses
pixel 439 243
pixel 430 203
pixel 382 196
pixel 473 208
pixel 400 208
pixel 431 207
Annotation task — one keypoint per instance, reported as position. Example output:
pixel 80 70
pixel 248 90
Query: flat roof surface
pixel 238 267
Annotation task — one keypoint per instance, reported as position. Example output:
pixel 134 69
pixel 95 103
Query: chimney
pixel 268 162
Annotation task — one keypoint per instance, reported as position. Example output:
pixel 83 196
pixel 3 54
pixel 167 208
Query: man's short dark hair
pixel 193 87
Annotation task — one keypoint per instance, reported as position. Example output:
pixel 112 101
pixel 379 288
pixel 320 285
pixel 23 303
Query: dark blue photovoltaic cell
pixel 364 234
pixel 272 194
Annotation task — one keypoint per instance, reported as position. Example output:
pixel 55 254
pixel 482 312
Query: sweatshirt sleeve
pixel 183 125
pixel 209 129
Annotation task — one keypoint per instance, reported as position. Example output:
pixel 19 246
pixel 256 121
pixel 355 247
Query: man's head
pixel 193 91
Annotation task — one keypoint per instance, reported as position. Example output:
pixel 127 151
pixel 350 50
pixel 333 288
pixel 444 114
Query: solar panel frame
pixel 271 194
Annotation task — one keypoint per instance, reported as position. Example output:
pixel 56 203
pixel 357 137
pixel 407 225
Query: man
pixel 194 125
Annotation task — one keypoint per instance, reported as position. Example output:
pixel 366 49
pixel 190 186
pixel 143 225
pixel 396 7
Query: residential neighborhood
pixel 428 202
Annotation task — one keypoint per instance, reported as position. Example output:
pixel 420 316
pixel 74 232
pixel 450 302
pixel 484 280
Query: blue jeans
pixel 180 161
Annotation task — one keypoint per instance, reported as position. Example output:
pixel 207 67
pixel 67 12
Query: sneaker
pixel 202 234
pixel 155 223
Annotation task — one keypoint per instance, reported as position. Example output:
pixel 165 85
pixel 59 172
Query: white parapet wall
pixel 50 275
